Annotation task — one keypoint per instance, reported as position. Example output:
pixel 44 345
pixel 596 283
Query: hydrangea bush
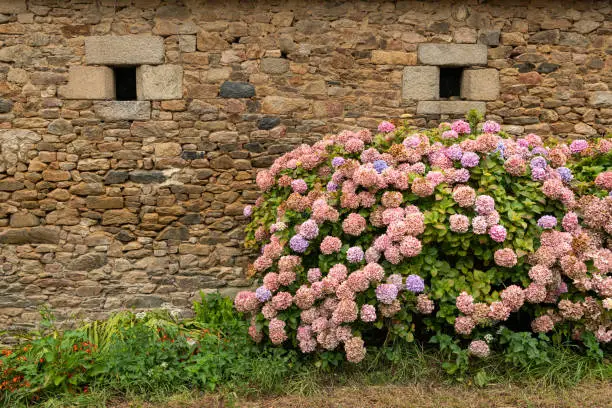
pixel 408 233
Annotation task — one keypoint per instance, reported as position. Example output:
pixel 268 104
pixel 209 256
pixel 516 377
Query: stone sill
pixel 449 107
pixel 123 110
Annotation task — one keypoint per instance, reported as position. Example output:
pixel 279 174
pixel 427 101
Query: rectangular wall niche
pixel 450 79
pixel 450 82
pixel 125 83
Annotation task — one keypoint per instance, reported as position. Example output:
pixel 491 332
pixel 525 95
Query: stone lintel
pixel 124 50
pixel 457 55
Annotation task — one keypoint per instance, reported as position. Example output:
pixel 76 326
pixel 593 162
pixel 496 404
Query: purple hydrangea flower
pixel 454 152
pixel 470 159
pixel 331 186
pixel 538 174
pixel 337 161
pixel 565 174
pixel 415 284
pixel 538 162
pixel 578 145
pixel 298 243
pixel 247 211
pixel 540 150
pixel 412 141
pixel 501 149
pixel 522 142
pixel 354 254
pixel 263 294
pixel 547 222
pixel 309 229
pixel 386 293
pixel 380 166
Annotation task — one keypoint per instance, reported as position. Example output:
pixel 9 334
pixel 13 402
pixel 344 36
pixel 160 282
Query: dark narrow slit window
pixel 450 82
pixel 125 83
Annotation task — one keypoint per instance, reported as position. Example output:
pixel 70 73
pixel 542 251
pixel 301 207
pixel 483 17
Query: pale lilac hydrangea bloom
pixel 298 243
pixel 247 211
pixel 415 284
pixel 578 146
pixel 470 159
pixel 354 254
pixel 547 222
pixel 263 294
pixel 386 293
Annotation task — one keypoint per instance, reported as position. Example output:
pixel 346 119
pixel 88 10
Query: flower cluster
pixel 360 227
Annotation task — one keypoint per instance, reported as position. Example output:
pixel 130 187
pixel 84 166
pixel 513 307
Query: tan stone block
pixel 89 83
pixel 381 57
pixel 480 84
pixel 159 82
pixel 124 50
pixel 421 83
pixel 452 54
pixel 169 149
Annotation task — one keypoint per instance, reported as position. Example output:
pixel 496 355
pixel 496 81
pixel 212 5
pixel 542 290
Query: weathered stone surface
pixel 124 50
pixel 60 127
pixel 147 177
pixel 480 84
pixel 105 203
pixel 159 82
pixel 13 6
pixel 87 262
pixel 274 65
pixel 89 83
pixel 489 37
pixel 545 37
pixel 393 58
pixel 449 107
pixel 123 110
pixel 119 217
pixel 116 177
pixel 421 83
pixel 452 54
pixel 174 233
pixel 268 122
pixel 282 105
pixel 36 235
pixel 86 189
pixel 5 105
pixel 16 146
pixel 19 220
pixel 547 68
pixel 236 90
pixel 11 184
pixel 601 99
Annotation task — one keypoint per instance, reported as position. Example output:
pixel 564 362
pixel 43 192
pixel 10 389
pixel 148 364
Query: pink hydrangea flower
pixel 505 257
pixel 461 127
pixel 498 233
pixel 386 127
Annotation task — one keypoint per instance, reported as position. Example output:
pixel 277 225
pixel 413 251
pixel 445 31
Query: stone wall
pixel 111 204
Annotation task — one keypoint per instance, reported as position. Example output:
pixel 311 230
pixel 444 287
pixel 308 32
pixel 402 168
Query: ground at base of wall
pixel 423 395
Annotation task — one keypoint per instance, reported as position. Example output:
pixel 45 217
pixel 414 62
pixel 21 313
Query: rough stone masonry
pixel 108 204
